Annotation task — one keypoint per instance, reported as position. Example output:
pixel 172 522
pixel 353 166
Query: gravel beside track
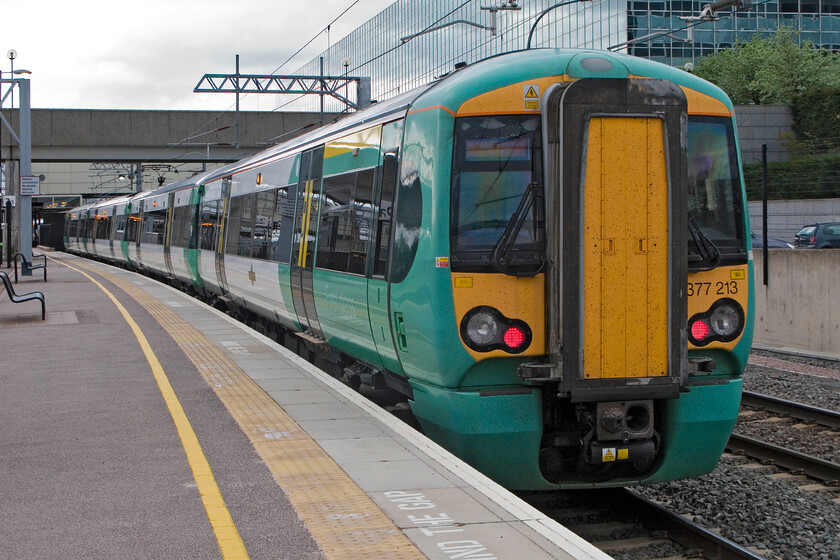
pixel 772 515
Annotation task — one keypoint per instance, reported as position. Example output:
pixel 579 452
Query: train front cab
pixel 637 213
pixel 615 389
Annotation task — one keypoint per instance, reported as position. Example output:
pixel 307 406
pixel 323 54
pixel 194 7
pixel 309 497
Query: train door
pixel 135 232
pixel 167 256
pixel 378 289
pixel 83 231
pixel 122 214
pixel 221 276
pixel 112 227
pixel 303 248
pixel 616 180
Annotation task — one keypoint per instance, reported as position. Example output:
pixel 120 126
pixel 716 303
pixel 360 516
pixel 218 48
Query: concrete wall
pixel 799 309
pixel 763 124
pixel 786 217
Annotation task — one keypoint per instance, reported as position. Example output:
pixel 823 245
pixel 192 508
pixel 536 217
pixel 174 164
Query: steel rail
pixel 806 412
pixel 688 533
pixel 625 505
pixel 812 466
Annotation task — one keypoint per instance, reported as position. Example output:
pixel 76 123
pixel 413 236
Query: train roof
pixel 522 66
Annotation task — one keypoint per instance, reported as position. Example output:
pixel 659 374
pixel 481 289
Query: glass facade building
pixel 412 42
pixel 384 49
pixel 657 29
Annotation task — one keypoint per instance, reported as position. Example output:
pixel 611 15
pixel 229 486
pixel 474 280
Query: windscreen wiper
pixel 707 251
pixel 503 257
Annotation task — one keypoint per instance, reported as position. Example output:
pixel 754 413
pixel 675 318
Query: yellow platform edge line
pixel 228 538
pixel 299 465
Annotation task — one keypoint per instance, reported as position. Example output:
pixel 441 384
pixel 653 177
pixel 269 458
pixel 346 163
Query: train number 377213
pixel 712 288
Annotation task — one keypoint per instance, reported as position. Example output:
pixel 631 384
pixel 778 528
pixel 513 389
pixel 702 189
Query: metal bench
pixel 28 264
pixel 23 297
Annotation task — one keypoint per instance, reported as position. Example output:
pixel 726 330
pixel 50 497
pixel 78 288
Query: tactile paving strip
pixel 342 518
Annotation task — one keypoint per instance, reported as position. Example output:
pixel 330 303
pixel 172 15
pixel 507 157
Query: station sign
pixel 30 186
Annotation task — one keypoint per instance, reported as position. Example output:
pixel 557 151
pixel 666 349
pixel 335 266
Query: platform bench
pixel 23 297
pixel 30 265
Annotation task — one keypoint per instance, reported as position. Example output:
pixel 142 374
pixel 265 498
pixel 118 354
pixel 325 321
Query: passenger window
pixel 362 221
pixel 240 225
pixel 266 203
pixel 182 225
pixel 283 225
pixel 346 218
pixel 102 223
pixel 154 225
pixel 109 225
pixel 209 229
pixel 119 227
pixel 335 233
pixel 133 226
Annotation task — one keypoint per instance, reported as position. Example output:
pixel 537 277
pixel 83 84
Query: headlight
pixel 484 329
pixel 723 322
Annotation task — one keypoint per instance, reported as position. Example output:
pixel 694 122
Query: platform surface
pixel 137 422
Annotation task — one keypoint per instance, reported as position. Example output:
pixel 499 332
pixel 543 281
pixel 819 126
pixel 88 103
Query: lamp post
pixel 544 12
pixel 23 206
pixel 12 54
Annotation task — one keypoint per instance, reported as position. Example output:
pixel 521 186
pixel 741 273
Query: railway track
pixel 793 460
pixel 807 413
pixel 626 525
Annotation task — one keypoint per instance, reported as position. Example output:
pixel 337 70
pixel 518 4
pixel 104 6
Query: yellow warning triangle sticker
pixel 531 93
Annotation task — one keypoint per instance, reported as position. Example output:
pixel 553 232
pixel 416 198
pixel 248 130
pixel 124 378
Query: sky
pixel 93 54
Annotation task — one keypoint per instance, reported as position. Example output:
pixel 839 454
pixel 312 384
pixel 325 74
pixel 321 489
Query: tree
pixel 771 70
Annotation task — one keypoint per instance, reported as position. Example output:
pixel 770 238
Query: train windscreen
pixel 497 217
pixel 715 206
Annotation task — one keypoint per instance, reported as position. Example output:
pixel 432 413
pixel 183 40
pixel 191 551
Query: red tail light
pixel 514 337
pixel 813 239
pixel 699 330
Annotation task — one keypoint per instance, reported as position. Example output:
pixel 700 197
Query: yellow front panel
pixel 515 298
pixel 625 249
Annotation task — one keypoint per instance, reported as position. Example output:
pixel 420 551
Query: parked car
pixel 818 236
pixel 772 243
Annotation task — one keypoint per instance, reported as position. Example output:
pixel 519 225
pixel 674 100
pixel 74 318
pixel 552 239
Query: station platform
pixel 138 422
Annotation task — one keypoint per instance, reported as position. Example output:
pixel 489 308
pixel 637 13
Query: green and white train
pixel 545 252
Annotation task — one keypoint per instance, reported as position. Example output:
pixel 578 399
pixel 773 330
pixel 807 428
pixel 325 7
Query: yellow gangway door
pixel 625 249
